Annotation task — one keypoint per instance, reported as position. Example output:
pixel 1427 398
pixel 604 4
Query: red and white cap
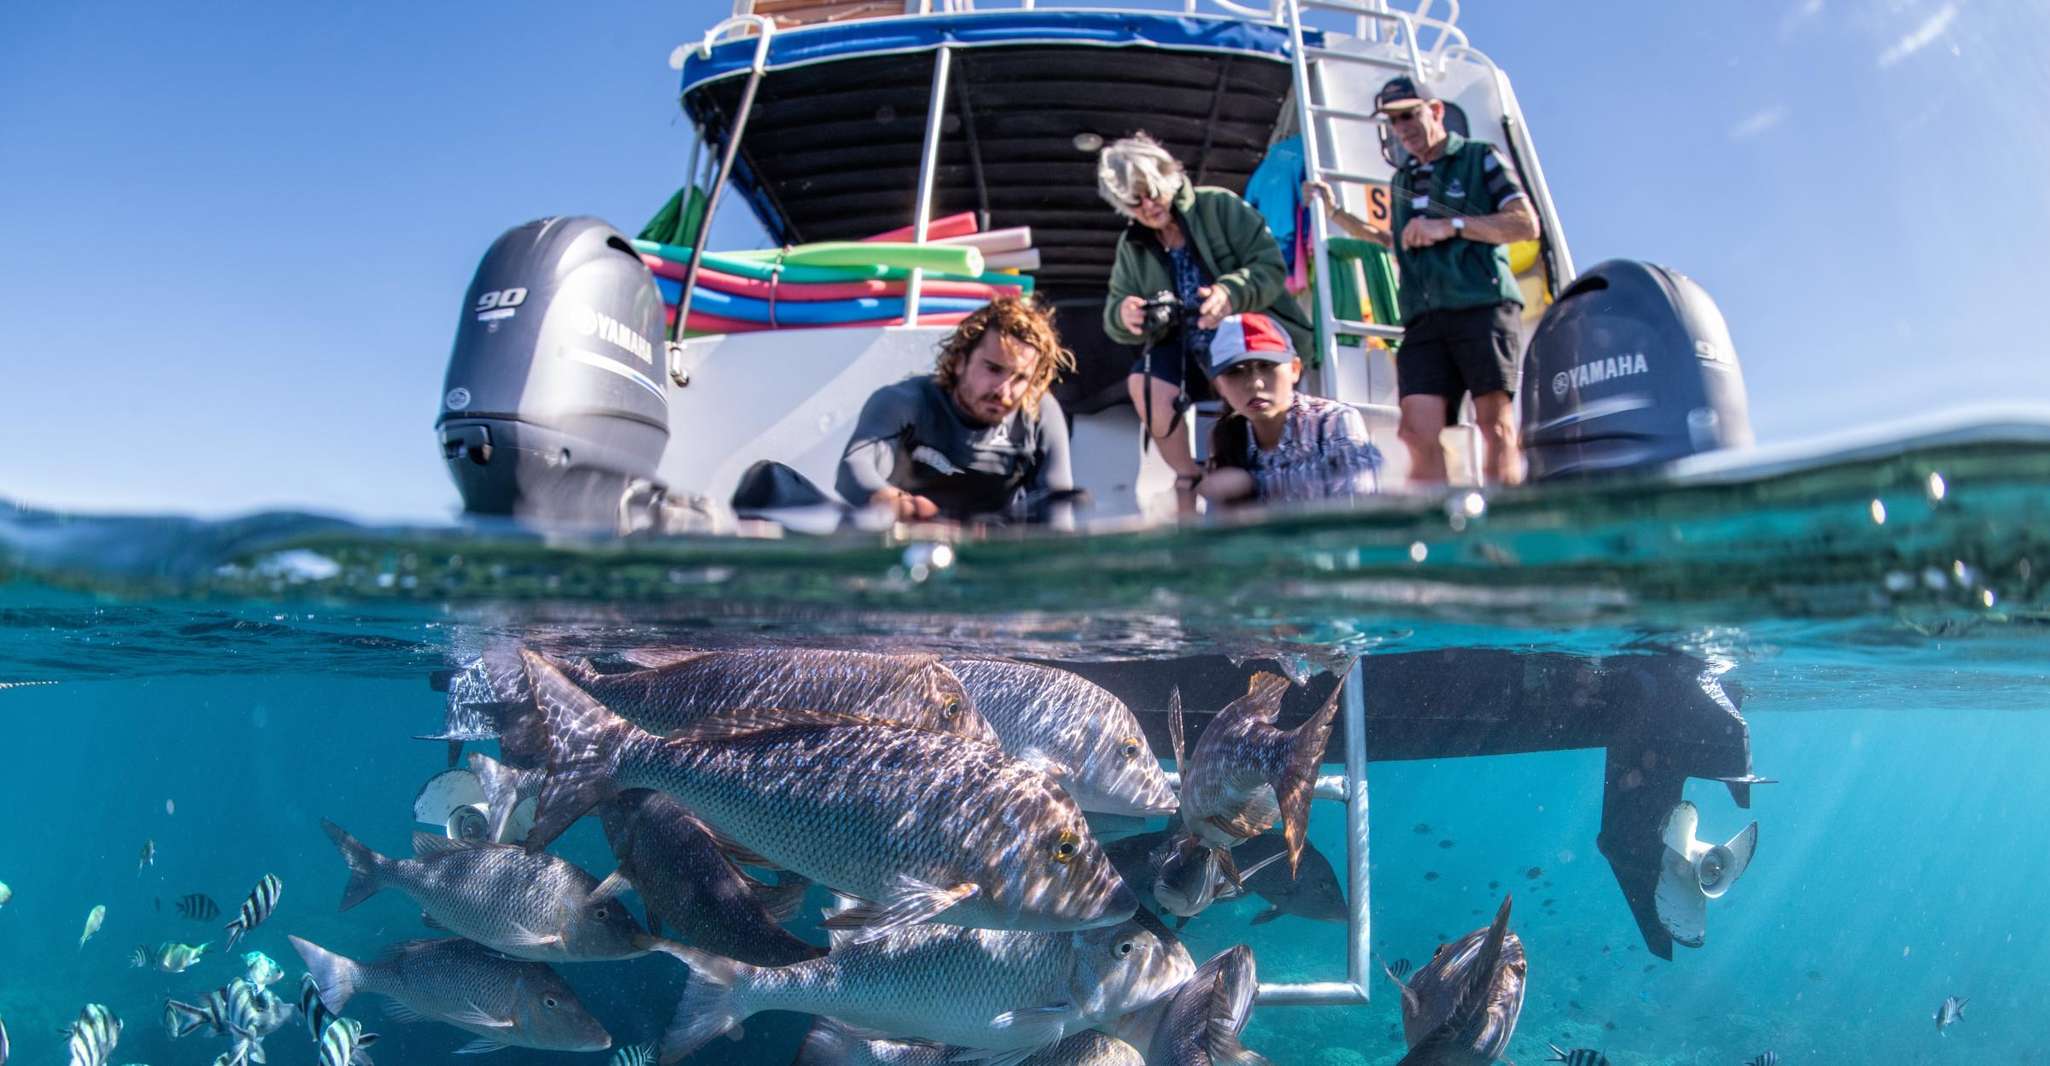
pixel 1249 336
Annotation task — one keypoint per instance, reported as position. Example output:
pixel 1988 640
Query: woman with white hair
pixel 1211 254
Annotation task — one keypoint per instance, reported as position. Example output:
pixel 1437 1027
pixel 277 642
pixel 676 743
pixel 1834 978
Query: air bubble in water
pixel 1418 552
pixel 1936 486
pixel 1878 512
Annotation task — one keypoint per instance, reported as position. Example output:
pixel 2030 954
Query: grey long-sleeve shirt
pixel 911 435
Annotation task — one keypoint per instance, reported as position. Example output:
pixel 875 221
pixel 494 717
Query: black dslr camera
pixel 1166 311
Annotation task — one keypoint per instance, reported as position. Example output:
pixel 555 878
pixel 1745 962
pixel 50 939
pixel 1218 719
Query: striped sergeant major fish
pixel 198 907
pixel 1949 1012
pixel 223 1008
pixel 93 1036
pixel 1770 1058
pixel 313 1008
pixel 342 1043
pixel 263 899
pixel 1579 1056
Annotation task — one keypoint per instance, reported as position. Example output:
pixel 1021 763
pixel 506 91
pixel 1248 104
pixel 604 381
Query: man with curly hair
pixel 978 439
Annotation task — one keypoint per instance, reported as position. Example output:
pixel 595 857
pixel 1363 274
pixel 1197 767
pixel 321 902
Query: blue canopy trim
pixel 1109 29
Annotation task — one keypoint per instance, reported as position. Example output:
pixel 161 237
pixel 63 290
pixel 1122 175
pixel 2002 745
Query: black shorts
pixel 1451 353
pixel 1170 364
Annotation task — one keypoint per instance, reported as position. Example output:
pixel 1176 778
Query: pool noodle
pixel 1015 239
pixel 950 226
pixel 827 290
pixel 711 324
pixel 946 258
pixel 806 313
pixel 829 275
pixel 1025 260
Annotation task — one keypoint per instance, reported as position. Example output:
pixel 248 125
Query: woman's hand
pixel 1216 305
pixel 1315 189
pixel 1132 314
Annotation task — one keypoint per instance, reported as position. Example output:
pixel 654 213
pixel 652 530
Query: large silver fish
pixel 528 906
pixel 1461 1008
pixel 832 1044
pixel 676 866
pixel 930 827
pixel 976 988
pixel 1244 775
pixel 506 1002
pixel 1050 716
pixel 1199 1024
pixel 93 1036
pixel 679 687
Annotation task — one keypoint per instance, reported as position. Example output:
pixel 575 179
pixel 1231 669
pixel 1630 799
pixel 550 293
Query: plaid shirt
pixel 1324 453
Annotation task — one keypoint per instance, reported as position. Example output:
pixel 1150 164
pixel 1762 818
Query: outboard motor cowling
pixel 1632 366
pixel 555 406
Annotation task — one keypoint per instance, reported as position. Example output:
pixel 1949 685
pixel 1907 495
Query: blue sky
pixel 233 243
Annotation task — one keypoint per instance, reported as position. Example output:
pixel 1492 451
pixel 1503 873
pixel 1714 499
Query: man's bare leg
pixel 1495 413
pixel 1423 420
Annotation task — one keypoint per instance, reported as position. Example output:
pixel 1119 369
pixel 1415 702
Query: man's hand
pixel 1216 305
pixel 907 506
pixel 1424 232
pixel 1315 189
pixel 1132 314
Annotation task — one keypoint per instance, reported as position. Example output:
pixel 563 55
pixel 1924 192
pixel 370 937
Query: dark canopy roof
pixel 831 150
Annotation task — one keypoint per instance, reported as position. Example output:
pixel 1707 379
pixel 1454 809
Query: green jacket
pixel 1235 246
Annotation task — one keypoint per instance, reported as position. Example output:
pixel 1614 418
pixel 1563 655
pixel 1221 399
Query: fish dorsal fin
pixel 1175 730
pixel 1482 973
pixel 616 883
pixel 1262 699
pixel 735 724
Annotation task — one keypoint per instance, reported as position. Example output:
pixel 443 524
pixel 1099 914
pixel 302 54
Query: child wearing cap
pixel 1277 444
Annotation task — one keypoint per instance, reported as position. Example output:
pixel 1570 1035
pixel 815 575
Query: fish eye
pixel 1123 949
pixel 1129 747
pixel 1066 846
pixel 602 912
pixel 951 708
pixel 548 1001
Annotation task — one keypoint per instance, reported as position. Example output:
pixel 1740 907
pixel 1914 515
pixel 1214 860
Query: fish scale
pixel 497 895
pixel 855 804
pixel 917 802
pixel 829 1044
pixel 683 687
pixel 452 980
pixel 1074 722
pixel 946 984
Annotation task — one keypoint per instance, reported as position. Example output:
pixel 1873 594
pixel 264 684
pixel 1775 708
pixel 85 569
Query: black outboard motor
pixel 555 407
pixel 1631 367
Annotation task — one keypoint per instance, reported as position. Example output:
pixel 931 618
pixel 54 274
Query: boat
pixel 590 387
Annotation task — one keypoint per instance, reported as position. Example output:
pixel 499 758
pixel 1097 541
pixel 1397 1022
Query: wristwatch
pixel 1459 227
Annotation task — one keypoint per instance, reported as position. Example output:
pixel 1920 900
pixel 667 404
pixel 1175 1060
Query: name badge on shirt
pixel 1418 203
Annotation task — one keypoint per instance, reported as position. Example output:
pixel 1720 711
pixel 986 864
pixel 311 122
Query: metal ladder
pixel 1319 122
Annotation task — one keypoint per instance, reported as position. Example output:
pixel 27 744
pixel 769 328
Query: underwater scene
pixel 1745 768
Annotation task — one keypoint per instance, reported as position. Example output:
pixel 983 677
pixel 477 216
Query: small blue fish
pixel 1949 1012
pixel 1579 1056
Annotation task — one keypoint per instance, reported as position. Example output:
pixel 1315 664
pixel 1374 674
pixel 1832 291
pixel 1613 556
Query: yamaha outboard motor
pixel 555 406
pixel 1632 366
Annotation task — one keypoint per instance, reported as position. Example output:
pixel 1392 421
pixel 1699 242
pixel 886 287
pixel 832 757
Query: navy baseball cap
pixel 1400 93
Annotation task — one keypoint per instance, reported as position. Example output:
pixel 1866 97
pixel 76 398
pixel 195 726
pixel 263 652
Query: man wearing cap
pixel 1457 205
pixel 1278 444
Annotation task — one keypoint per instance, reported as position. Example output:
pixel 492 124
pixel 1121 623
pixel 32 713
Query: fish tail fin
pixel 234 929
pixel 501 792
pixel 184 1019
pixel 365 870
pixel 710 1004
pixel 1295 779
pixel 1225 1050
pixel 584 742
pixel 335 977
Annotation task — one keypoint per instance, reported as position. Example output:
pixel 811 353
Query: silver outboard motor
pixel 555 407
pixel 1631 367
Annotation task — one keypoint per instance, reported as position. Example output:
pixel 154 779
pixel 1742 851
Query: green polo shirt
pixel 1468 178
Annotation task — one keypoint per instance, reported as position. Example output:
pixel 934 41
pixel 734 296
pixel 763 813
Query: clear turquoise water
pixel 220 688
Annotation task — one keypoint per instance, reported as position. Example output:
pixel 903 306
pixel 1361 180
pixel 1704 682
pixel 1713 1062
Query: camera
pixel 1165 311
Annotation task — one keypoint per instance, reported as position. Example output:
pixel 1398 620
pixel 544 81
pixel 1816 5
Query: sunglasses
pixel 1403 118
